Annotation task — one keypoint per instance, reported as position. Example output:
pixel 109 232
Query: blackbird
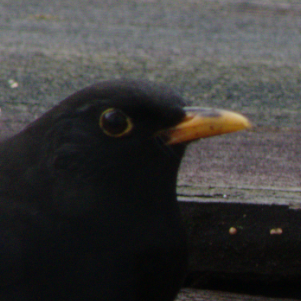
pixel 88 195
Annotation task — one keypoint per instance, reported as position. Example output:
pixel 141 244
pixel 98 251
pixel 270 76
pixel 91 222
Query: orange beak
pixel 204 122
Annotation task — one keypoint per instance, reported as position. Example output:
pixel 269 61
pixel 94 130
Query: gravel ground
pixel 235 54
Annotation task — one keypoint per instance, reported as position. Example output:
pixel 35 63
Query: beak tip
pixel 245 122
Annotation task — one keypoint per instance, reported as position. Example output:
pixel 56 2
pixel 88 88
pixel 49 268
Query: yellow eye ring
pixel 115 123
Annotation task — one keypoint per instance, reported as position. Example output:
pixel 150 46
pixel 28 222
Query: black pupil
pixel 115 122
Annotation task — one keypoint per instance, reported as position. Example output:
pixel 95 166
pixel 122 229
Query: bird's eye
pixel 115 123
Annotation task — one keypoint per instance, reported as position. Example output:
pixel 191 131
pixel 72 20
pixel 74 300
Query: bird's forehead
pixel 139 94
pixel 131 96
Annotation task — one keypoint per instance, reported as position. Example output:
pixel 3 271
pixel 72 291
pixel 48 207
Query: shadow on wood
pixel 246 248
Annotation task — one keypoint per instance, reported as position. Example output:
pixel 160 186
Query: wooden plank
pixel 244 247
pixel 205 295
pixel 249 183
pixel 290 196
pixel 265 158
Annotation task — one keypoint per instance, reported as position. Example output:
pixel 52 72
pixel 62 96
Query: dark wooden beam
pixel 239 244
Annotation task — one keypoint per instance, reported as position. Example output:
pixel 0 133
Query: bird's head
pixel 122 116
pixel 119 130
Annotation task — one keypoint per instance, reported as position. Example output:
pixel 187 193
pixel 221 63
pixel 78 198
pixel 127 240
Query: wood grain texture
pixel 205 295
